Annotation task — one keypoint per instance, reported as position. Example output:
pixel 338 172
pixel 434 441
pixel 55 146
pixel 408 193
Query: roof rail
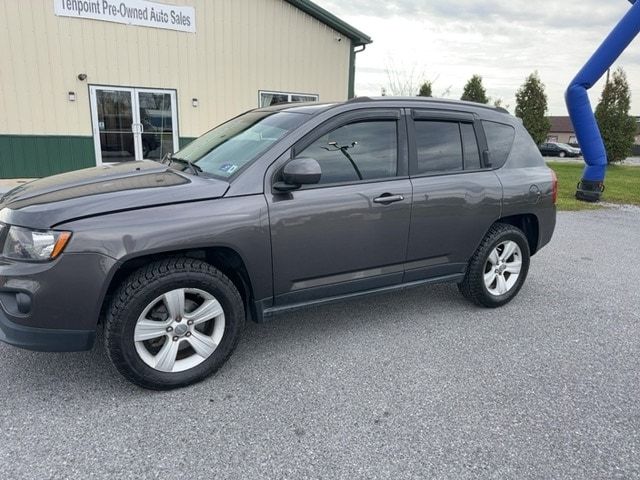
pixel 432 100
pixel 359 99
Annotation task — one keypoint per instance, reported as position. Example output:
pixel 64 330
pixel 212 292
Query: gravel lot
pixel 418 384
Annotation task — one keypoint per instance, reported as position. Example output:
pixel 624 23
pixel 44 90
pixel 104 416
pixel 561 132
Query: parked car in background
pixel 277 209
pixel 562 150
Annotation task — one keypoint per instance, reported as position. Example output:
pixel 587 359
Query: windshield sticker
pixel 228 168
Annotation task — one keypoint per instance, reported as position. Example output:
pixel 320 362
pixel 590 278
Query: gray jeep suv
pixel 276 209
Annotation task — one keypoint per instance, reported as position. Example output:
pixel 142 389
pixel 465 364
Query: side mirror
pixel 298 172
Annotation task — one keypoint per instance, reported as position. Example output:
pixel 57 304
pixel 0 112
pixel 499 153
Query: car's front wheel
pixel 499 267
pixel 562 154
pixel 173 323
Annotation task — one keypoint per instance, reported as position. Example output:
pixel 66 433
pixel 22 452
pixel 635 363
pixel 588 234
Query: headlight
pixel 34 245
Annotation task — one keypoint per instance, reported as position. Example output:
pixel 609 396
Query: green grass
pixel 622 185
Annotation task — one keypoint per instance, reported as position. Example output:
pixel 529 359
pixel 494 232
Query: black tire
pixel 148 283
pixel 473 286
pixel 562 154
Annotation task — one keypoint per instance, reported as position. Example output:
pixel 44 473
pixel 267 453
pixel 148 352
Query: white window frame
pixel 136 126
pixel 315 96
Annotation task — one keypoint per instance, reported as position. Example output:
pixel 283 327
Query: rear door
pixel 348 233
pixel 456 197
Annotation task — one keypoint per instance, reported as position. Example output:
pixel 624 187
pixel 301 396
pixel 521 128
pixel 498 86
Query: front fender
pixel 239 223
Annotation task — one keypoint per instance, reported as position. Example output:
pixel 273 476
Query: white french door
pixel 133 123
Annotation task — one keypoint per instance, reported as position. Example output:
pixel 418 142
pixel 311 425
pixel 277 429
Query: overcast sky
pixel 502 40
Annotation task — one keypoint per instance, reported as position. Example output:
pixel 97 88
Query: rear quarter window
pixel 500 139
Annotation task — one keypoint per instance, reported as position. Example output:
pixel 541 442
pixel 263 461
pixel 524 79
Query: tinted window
pixel 439 147
pixel 226 149
pixel 363 149
pixel 500 140
pixel 470 147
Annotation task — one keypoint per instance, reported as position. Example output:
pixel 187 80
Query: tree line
pixel 617 126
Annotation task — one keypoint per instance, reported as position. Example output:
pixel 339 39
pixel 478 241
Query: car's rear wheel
pixel 498 268
pixel 173 323
pixel 562 154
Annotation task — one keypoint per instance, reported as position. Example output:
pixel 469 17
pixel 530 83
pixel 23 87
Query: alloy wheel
pixel 503 267
pixel 179 330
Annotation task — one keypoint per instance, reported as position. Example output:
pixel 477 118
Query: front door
pixel 348 233
pixel 133 123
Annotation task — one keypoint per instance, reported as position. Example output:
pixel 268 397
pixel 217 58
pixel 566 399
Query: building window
pixel 552 138
pixel 275 98
pixel 573 139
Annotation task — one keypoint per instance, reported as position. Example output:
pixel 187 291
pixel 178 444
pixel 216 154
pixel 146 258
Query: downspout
pixel 352 69
pixel 587 132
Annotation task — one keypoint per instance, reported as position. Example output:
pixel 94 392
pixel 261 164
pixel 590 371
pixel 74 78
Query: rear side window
pixel 439 147
pixel 500 139
pixel 365 150
pixel 470 147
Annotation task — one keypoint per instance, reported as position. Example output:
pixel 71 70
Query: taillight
pixel 554 193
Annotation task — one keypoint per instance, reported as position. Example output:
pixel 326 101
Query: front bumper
pixel 53 306
pixel 45 339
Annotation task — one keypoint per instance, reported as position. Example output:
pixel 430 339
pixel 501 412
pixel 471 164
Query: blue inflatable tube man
pixel 592 185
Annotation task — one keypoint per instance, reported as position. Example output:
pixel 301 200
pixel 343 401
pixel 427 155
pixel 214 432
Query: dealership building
pixel 88 82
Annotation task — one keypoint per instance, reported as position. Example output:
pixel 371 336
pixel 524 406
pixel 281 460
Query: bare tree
pixel 403 82
pixel 446 92
pixel 407 81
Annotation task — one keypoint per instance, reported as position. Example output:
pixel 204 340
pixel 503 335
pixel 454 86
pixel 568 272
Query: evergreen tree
pixel 426 89
pixel 531 107
pixel 618 128
pixel 474 91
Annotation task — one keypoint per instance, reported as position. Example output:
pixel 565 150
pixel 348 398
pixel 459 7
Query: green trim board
pixel 34 156
pixel 31 156
pixel 357 37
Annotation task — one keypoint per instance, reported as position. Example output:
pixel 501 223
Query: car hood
pixel 50 201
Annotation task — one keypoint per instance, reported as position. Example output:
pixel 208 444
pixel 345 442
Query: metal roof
pixel 357 37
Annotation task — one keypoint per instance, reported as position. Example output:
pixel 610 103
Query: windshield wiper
pixel 194 168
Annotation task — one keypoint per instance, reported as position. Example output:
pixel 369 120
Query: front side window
pixel 366 150
pixel 224 150
pixel 268 99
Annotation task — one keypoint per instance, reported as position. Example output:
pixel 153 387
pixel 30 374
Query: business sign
pixel 131 12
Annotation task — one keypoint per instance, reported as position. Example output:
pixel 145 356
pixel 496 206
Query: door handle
pixel 388 198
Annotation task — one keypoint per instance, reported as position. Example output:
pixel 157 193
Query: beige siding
pixel 241 46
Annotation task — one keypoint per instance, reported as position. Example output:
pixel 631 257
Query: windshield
pixel 226 149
